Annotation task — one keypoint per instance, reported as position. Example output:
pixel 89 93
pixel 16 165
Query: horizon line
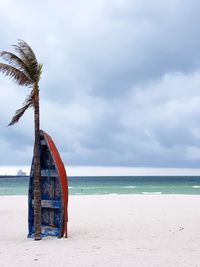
pixel 111 171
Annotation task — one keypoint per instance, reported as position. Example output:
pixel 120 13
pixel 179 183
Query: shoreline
pixel 112 195
pixel 107 230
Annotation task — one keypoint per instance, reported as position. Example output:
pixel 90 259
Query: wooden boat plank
pixel 49 173
pixel 51 204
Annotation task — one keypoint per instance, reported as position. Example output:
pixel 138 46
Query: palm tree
pixel 24 70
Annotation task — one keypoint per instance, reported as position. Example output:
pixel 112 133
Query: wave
pixel 151 193
pixel 196 186
pixel 129 186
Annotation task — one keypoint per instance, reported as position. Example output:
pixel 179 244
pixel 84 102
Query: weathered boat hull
pixel 54 191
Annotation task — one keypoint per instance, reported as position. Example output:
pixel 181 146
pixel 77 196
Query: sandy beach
pixel 108 230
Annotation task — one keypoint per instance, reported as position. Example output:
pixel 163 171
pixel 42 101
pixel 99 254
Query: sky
pixel 120 85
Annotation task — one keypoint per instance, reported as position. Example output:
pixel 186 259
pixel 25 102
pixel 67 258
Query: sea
pixel 103 185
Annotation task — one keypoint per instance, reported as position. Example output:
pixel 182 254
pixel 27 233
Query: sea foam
pixel 151 193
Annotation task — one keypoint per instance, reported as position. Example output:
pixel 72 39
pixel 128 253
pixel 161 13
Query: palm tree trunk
pixel 37 167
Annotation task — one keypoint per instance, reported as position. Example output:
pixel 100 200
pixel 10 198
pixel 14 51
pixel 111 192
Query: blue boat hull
pixel 54 191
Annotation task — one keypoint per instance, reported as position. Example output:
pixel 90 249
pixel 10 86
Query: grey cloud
pixel 120 84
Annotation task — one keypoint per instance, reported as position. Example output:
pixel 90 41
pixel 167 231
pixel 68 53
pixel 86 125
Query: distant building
pixel 21 173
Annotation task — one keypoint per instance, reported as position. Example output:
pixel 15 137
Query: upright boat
pixel 54 191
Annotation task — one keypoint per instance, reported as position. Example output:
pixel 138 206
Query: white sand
pixel 111 230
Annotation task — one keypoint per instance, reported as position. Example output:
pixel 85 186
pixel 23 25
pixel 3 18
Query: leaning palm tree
pixel 24 70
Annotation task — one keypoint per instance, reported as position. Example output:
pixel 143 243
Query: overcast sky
pixel 120 84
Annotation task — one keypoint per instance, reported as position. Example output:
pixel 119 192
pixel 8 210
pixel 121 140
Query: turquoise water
pixel 14 185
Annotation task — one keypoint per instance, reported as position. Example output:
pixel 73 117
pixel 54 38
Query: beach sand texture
pixel 110 230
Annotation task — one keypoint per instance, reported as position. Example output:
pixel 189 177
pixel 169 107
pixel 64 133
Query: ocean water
pixel 190 185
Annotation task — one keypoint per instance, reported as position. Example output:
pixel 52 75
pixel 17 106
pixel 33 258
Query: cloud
pixel 120 85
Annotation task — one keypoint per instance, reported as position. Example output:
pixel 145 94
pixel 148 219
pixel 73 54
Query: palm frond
pixel 15 74
pixel 26 48
pixel 40 66
pixel 15 61
pixel 28 57
pixel 19 113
